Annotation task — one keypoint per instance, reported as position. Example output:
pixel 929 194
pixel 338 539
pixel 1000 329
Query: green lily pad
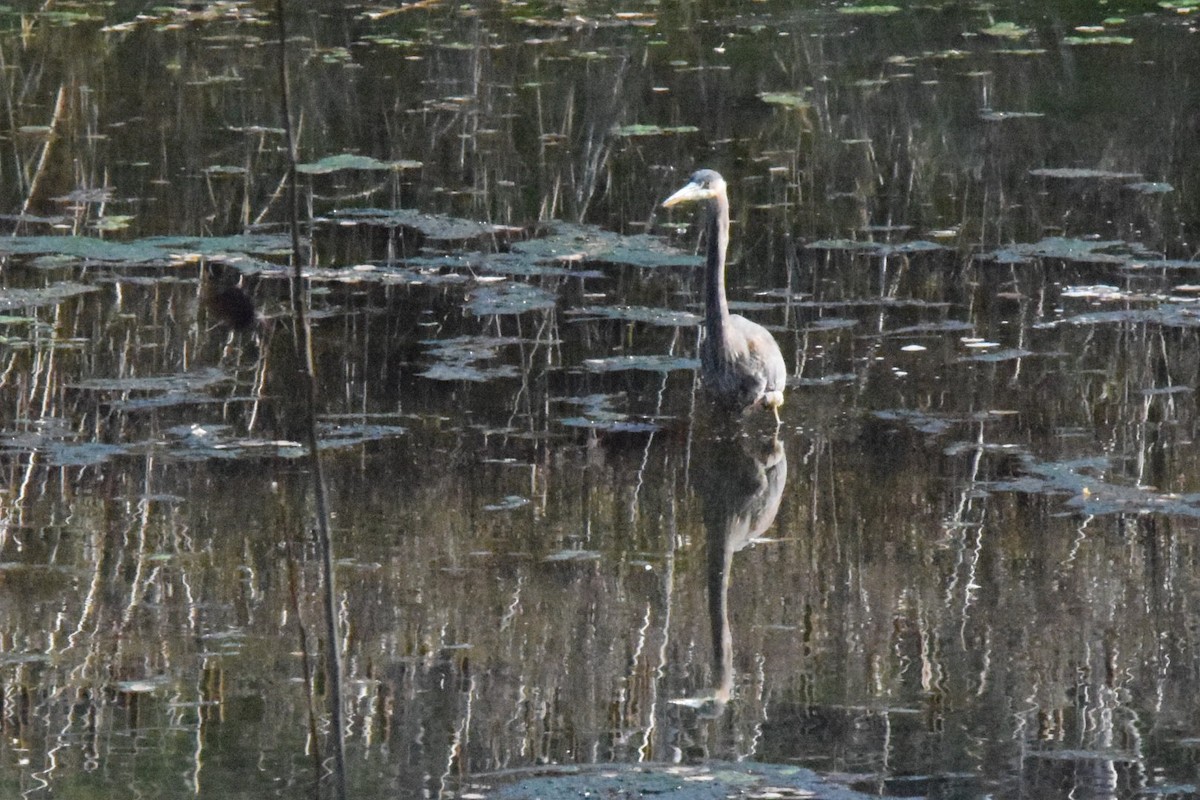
pixel 1006 30
pixel 570 242
pixel 350 161
pixel 508 298
pixel 653 130
pixel 1077 173
pixel 47 296
pixel 648 363
pixel 1096 40
pixel 787 99
pixel 876 11
pixel 433 226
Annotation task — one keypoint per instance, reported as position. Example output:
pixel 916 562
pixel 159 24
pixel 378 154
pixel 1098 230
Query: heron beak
pixel 689 193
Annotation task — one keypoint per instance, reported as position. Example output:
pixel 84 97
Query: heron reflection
pixel 741 485
pixel 740 362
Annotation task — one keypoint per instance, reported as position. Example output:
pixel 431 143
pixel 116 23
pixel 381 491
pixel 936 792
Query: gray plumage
pixel 740 362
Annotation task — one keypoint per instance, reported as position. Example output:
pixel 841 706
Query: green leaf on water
pixel 1078 173
pixel 1095 40
pixel 114 222
pixel 869 10
pixel 350 161
pixel 653 130
pixel 787 99
pixel 1006 30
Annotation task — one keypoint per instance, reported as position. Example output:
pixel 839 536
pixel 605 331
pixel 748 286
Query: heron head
pixel 705 184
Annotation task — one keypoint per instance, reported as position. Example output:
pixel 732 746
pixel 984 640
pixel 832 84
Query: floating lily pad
pixel 432 226
pixel 651 316
pixel 877 248
pixel 508 503
pixel 1078 41
pixel 1080 250
pixel 711 780
pixel 1150 187
pixel 794 100
pixel 1092 494
pixel 1006 30
pixel 1077 173
pixel 573 555
pixel 457 359
pixel 617 425
pixel 650 363
pixel 653 130
pixel 50 295
pixel 349 161
pixel 1007 354
pixel 876 11
pixel 113 222
pixel 509 297
pixel 201 379
pixel 566 241
pixel 1173 315
pixel 1001 116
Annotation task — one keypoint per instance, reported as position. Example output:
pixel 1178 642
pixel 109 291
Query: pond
pixel 965 565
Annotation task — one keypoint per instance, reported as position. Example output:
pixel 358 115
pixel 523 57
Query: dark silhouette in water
pixel 741 484
pixel 232 306
pixel 740 362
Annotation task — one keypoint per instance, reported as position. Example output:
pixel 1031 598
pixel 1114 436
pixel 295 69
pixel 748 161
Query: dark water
pixel 968 567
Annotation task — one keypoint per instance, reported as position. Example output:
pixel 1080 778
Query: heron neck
pixel 716 307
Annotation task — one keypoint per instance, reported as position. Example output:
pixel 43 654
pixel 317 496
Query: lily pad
pixel 711 780
pixel 651 316
pixel 1068 249
pixel 50 295
pixel 437 227
pixel 571 242
pixel 457 359
pixel 1006 30
pixel 649 363
pixel 875 11
pixel 1001 116
pixel 508 298
pixel 1078 41
pixel 350 161
pixel 653 130
pixel 1150 187
pixel 1078 173
pixel 794 100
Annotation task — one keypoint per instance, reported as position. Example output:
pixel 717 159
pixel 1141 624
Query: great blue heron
pixel 740 363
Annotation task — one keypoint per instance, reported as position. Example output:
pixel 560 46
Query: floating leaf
pixel 650 363
pixel 456 358
pixel 113 222
pixel 653 130
pixel 1000 116
pixel 788 99
pixel 1080 173
pixel 349 161
pixel 508 298
pixel 508 503
pixel 651 316
pixel 1096 40
pixel 50 295
pixel 1150 187
pixel 438 227
pixel 869 10
pixel 569 242
pixel 573 555
pixel 1006 30
pixel 1082 250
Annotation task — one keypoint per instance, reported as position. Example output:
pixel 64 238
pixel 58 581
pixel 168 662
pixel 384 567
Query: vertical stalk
pixel 303 339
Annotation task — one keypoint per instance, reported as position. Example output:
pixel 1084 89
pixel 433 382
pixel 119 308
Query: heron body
pixel 740 362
